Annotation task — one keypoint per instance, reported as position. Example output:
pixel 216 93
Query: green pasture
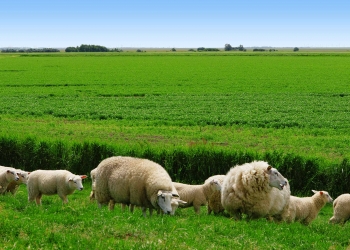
pixel 82 225
pixel 296 103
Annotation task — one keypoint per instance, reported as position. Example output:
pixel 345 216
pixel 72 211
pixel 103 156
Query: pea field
pixel 197 114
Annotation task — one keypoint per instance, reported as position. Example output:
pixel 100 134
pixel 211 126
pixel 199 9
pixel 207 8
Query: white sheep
pixel 134 181
pixel 50 182
pixel 341 209
pixel 214 201
pixel 7 175
pixel 196 195
pixel 248 189
pixel 306 209
pixel 14 185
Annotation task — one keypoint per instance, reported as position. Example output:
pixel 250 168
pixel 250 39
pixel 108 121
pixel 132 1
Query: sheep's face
pixel 11 175
pixel 75 182
pixel 23 176
pixel 215 185
pixel 325 195
pixel 164 201
pixel 276 179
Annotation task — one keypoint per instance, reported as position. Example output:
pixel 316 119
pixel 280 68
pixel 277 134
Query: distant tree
pixel 71 49
pixel 228 47
pixel 200 49
pixel 191 50
pixel 296 49
pixel 138 50
pixel 173 49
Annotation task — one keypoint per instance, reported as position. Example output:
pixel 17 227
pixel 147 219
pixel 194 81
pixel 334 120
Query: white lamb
pixel 306 209
pixel 214 202
pixel 14 185
pixel 196 195
pixel 50 182
pixel 134 181
pixel 248 189
pixel 341 209
pixel 6 177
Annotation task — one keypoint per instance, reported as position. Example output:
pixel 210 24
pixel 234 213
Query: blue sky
pixel 179 24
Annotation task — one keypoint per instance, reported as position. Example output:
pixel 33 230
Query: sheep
pixel 134 181
pixel 341 209
pixel 306 209
pixel 7 175
pixel 14 185
pixel 248 189
pixel 196 195
pixel 50 182
pixel 214 201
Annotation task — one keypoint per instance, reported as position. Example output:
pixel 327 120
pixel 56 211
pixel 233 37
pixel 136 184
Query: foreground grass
pixel 81 225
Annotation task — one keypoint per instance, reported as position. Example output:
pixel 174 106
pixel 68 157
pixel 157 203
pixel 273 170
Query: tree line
pixel 91 48
pixel 30 50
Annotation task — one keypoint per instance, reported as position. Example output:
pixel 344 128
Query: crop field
pixel 291 102
pixel 191 112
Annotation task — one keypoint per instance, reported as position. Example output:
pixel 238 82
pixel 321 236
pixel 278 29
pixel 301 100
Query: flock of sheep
pixel 254 189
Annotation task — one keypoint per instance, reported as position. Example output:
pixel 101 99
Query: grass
pixel 294 102
pixel 81 225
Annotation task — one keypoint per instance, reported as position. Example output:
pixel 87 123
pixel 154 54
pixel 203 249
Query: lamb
pixel 341 209
pixel 214 201
pixel 7 175
pixel 134 181
pixel 196 195
pixel 248 189
pixel 50 182
pixel 14 185
pixel 306 209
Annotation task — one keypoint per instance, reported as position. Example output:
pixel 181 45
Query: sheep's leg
pixel 64 199
pixel 111 205
pixel 197 209
pixel 38 199
pixel 144 209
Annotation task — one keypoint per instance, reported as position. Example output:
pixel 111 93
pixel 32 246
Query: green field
pixel 195 113
pixel 291 102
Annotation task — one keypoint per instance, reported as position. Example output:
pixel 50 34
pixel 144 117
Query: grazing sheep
pixel 306 209
pixel 14 185
pixel 214 202
pixel 248 189
pixel 7 175
pixel 341 209
pixel 134 181
pixel 50 182
pixel 196 195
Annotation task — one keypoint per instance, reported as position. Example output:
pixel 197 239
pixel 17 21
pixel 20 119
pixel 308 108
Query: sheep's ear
pixel 83 176
pixel 314 191
pixel 175 195
pixel 181 202
pixel 268 168
pixel 159 193
pixel 321 193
